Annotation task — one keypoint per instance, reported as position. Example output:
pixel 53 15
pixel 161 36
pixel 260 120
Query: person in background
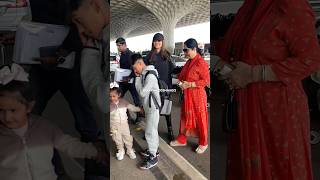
pixel 92 20
pixel 125 63
pixel 47 78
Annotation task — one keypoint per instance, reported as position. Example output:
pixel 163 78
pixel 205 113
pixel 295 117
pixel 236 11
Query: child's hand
pixel 141 110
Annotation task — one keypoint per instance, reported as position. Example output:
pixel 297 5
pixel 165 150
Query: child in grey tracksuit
pixel 145 85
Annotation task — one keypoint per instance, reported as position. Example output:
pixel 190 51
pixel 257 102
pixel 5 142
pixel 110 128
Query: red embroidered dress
pixel 272 140
pixel 194 114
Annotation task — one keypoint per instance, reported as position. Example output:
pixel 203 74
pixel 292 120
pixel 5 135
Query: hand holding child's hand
pixel 141 110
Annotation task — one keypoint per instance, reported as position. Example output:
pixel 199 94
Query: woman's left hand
pixel 185 85
pixel 241 76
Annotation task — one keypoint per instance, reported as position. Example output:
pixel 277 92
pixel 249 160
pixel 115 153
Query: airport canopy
pixel 137 17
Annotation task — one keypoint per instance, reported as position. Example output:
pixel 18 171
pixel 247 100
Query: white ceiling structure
pixel 137 17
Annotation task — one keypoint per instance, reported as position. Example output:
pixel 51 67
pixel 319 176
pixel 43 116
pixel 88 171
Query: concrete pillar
pixel 168 32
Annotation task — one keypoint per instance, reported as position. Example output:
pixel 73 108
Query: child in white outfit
pixel 27 141
pixel 119 123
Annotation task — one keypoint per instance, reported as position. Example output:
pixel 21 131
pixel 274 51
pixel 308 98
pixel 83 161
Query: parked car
pixel 179 62
pixel 114 62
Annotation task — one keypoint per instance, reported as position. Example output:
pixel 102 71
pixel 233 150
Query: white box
pixel 13 12
pixel 31 36
pixel 121 74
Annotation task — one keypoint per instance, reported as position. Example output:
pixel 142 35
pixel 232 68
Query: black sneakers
pixel 146 153
pixel 149 162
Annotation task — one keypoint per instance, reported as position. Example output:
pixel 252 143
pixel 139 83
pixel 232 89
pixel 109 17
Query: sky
pixel 200 32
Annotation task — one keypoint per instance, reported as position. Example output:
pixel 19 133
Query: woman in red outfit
pixel 194 116
pixel 273 46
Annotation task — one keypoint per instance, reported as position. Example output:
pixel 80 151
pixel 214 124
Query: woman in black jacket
pixel 159 57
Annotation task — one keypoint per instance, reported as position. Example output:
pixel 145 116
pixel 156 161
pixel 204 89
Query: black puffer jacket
pixel 164 67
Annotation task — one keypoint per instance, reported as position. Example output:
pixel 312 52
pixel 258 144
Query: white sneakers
pixel 120 154
pixel 130 153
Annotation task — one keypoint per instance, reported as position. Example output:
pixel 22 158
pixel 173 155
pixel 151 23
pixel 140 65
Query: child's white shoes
pixel 131 154
pixel 120 155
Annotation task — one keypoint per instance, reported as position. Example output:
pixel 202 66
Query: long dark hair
pixel 192 43
pixel 164 53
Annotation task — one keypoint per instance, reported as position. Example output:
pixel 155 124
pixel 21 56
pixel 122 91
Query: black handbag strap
pixel 151 95
pixel 230 121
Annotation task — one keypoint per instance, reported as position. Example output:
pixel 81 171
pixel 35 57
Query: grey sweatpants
pixel 151 131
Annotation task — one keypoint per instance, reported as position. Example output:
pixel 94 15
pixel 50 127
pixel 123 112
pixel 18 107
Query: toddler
pixel 119 123
pixel 27 141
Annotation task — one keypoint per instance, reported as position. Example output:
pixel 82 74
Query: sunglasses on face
pixel 186 49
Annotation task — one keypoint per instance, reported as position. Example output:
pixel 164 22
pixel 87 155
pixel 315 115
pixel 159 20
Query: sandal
pixel 176 143
pixel 201 149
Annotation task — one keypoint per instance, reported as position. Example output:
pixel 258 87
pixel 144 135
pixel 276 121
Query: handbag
pixel 166 107
pixel 230 113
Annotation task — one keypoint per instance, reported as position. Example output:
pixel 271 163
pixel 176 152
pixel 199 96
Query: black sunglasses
pixel 185 49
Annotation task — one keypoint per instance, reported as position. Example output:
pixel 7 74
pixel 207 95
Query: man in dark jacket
pixel 47 78
pixel 125 63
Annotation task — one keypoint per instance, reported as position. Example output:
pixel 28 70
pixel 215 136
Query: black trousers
pixel 45 84
pixel 124 87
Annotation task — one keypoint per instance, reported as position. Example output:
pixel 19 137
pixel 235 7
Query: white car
pixel 179 62
pixel 114 62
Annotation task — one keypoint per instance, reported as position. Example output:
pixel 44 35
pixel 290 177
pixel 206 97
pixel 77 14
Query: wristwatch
pixel 61 59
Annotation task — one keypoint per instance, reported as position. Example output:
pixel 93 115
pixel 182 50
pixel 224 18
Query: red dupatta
pixel 237 45
pixel 188 102
pixel 251 15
